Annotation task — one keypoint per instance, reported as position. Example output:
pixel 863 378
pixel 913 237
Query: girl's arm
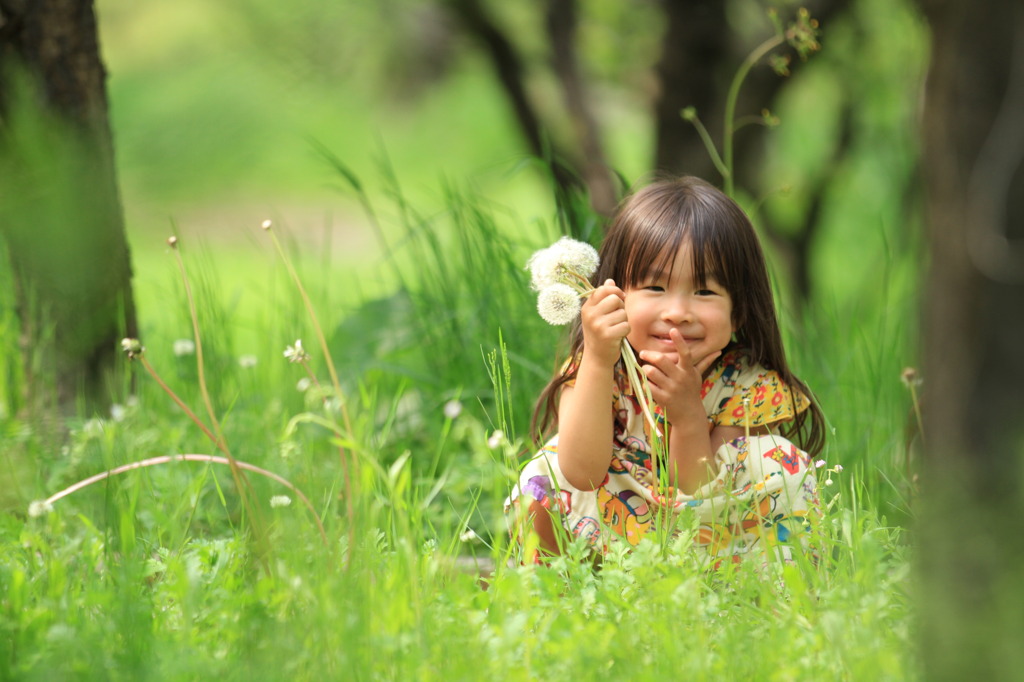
pixel 585 418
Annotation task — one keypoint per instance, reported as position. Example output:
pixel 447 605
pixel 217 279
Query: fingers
pixel 709 360
pixel 604 321
pixel 604 291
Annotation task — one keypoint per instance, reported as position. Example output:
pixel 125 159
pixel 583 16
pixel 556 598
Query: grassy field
pixel 371 542
pixel 166 572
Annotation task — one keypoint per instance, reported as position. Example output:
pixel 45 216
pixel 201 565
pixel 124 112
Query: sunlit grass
pixel 149 573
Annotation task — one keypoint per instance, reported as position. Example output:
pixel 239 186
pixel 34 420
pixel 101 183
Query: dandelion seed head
pixel 557 263
pixel 183 347
pixel 558 304
pixel 39 508
pixel 910 377
pixel 247 361
pixel 280 501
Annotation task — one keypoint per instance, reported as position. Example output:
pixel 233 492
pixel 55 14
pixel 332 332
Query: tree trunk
pixel 562 20
pixel 690 73
pixel 971 524
pixel 62 219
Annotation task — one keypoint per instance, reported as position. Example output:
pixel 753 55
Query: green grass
pixel 155 574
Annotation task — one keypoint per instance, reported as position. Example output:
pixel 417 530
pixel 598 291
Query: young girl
pixel 682 278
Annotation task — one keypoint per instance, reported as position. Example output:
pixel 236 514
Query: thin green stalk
pixel 325 350
pixel 709 144
pixel 730 104
pixel 245 490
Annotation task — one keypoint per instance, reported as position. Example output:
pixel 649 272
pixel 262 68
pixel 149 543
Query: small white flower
pixel 496 439
pixel 554 264
pixel 280 501
pixel 829 481
pixel 93 428
pixel 132 347
pixel 452 409
pixel 247 361
pixel 558 304
pixel 183 347
pixel 296 353
pixel 469 536
pixel 303 384
pixel 838 468
pixel 39 508
pixel 117 412
pixel 818 464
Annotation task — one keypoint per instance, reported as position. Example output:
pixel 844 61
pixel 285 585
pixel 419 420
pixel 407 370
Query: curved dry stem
pixel 188 457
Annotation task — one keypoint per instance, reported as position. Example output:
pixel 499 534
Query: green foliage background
pixel 394 176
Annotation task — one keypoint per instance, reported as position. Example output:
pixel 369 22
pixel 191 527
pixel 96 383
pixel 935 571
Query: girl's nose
pixel 677 310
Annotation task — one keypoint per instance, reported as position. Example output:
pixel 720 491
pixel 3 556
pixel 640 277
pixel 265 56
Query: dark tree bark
pixel 691 72
pixel 508 66
pixel 62 219
pixel 971 524
pixel 562 19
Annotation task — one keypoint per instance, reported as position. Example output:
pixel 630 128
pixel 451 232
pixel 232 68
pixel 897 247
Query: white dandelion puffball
pixel 553 264
pixel 558 304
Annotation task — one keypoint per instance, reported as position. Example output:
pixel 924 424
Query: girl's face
pixel 673 298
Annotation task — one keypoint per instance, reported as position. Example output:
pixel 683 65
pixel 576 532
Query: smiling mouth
pixel 668 339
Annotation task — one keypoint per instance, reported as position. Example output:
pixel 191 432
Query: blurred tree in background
pixel 61 214
pixel 973 604
pixel 693 68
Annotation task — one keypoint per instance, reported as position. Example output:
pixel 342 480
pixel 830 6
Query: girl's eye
pixel 705 292
pixel 654 287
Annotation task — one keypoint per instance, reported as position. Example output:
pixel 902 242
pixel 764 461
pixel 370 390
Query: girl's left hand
pixel 675 379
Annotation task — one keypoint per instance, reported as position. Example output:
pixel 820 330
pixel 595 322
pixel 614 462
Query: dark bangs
pixel 646 234
pixel 650 230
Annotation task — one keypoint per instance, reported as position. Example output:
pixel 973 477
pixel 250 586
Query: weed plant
pixel 154 574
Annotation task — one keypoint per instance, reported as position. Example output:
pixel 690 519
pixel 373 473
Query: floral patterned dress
pixel 758 501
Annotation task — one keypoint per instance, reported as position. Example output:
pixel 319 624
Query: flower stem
pixel 245 490
pixel 730 105
pixel 347 462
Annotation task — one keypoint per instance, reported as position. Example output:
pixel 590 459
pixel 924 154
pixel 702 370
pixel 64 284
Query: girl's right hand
pixel 604 323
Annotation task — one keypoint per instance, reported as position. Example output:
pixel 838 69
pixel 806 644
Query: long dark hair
pixel 650 226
